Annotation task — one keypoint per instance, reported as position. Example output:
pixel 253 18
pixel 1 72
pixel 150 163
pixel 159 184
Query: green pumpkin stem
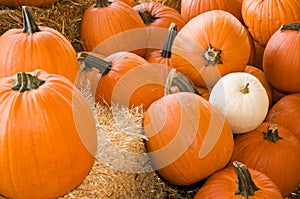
pixel 291 26
pixel 147 17
pixel 246 186
pixel 29 24
pixel 212 56
pixel 172 32
pixel 91 61
pixel 181 81
pixel 102 3
pixel 272 133
pixel 26 81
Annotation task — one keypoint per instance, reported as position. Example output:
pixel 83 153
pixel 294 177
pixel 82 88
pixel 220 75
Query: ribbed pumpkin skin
pixel 224 32
pixel 100 24
pixel 192 8
pixel 47 138
pixel 37 3
pixel 286 112
pixel 264 17
pixel 47 50
pixel 176 126
pixel 164 15
pixel 223 184
pixel 280 161
pixel 281 61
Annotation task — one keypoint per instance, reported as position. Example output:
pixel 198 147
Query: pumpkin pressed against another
pixel 188 139
pixel 38 3
pixel 36 47
pixel 238 182
pixel 242 99
pixel 272 150
pixel 210 46
pixel 47 137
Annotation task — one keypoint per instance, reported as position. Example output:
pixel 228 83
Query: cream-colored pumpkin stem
pixel 245 89
pixel 172 32
pixel 272 133
pixel 147 17
pixel 101 3
pixel 26 81
pixel 29 24
pixel 212 56
pixel 246 186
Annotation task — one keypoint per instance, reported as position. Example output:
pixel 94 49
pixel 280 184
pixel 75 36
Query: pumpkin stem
pixel 29 24
pixel 26 81
pixel 291 26
pixel 147 17
pixel 180 81
pixel 172 32
pixel 102 3
pixel 212 56
pixel 272 133
pixel 246 186
pixel 91 61
pixel 245 89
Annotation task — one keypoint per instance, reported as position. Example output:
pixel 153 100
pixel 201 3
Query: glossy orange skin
pixel 223 184
pixel 192 8
pixel 281 61
pixel 132 81
pixel 48 50
pixel 264 17
pixel 280 161
pixel 224 32
pixel 38 3
pixel 47 138
pixel 176 126
pixel 286 112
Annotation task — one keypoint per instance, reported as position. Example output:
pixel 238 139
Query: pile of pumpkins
pixel 219 83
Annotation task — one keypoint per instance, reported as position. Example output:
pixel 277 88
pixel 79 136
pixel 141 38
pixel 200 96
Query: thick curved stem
pixel 272 133
pixel 291 26
pixel 172 32
pixel 29 24
pixel 26 81
pixel 101 3
pixel 147 17
pixel 91 61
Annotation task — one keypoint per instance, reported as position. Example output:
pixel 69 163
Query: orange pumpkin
pixel 272 150
pixel 192 8
pixel 238 182
pixel 286 112
pixel 131 3
pixel 47 138
pixel 110 27
pixel 188 139
pixel 37 3
pixel 260 75
pixel 36 48
pixel 210 46
pixel 264 18
pixel 281 61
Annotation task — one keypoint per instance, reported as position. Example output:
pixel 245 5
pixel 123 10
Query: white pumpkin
pixel 242 99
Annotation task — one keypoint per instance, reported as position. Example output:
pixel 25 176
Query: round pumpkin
pixel 280 59
pixel 210 46
pixel 264 18
pixel 47 138
pixel 37 3
pixel 109 27
pixel 286 112
pixel 242 99
pixel 272 150
pixel 188 139
pixel 36 47
pixel 238 182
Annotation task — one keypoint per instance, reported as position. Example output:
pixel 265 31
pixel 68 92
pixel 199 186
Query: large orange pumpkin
pixel 272 150
pixel 238 182
pixel 281 58
pixel 209 46
pixel 286 112
pixel 36 48
pixel 47 137
pixel 188 139
pixel 108 27
pixel 264 18
pixel 38 3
